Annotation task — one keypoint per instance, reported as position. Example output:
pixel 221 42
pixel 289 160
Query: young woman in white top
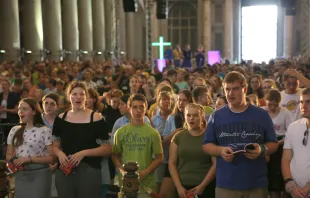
pixel 31 144
pixel 281 119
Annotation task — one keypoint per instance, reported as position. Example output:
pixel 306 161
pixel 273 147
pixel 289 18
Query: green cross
pixel 161 45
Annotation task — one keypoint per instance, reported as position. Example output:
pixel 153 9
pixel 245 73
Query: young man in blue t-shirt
pixel 243 174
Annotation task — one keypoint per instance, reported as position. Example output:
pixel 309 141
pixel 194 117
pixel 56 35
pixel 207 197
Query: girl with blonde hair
pixel 191 169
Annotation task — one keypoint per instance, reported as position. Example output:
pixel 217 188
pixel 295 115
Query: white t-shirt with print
pixel 35 141
pixel 291 103
pixel 300 163
pixel 282 121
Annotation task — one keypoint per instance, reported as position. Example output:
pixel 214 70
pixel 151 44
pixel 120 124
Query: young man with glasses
pixel 291 96
pixel 296 158
pixel 238 123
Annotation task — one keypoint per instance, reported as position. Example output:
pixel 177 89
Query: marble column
pixel 280 31
pixel 9 35
pixel 99 29
pixel 85 29
pixel 110 31
pixel 199 21
pixel 289 33
pixel 130 35
pixel 52 28
pixel 228 28
pixel 70 28
pixel 122 28
pixel 207 26
pixel 237 31
pixel 32 29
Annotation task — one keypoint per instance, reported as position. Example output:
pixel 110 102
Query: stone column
pixel 9 35
pixel 130 34
pixel 99 29
pixel 199 22
pixel 148 6
pixel 85 29
pixel 207 26
pixel 122 28
pixel 228 28
pixel 110 20
pixel 52 28
pixel 32 29
pixel 289 33
pixel 70 28
pixel 280 31
pixel 237 31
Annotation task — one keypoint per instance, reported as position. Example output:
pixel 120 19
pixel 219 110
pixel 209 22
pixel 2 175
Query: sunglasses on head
pixel 306 135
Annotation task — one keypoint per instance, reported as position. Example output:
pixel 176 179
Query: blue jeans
pixel 104 190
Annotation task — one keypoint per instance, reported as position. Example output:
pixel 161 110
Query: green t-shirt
pixel 138 144
pixel 182 85
pixel 208 110
pixel 193 164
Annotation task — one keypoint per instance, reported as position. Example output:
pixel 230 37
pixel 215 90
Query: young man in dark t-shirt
pixel 243 174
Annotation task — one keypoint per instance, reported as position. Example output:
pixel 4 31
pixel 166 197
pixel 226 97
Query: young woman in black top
pixel 80 140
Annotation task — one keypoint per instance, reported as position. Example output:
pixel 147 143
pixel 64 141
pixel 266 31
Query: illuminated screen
pixel 214 57
pixel 259 33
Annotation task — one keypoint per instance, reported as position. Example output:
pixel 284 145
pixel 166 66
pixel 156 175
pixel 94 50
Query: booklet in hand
pixel 241 147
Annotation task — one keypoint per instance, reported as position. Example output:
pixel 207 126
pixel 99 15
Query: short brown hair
pixel 199 91
pixel 52 96
pixel 138 97
pixel 273 95
pixel 286 77
pixel 306 91
pixel 116 93
pixel 235 76
pixel 164 94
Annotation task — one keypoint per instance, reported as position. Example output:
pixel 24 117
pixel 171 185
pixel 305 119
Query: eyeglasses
pixel 306 135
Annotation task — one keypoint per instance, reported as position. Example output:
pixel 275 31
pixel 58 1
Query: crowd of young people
pixel 181 126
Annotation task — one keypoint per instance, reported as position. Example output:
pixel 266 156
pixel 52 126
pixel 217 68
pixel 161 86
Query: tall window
pixel 259 33
pixel 182 25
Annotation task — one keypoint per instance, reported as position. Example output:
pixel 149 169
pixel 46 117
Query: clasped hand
pixel 74 159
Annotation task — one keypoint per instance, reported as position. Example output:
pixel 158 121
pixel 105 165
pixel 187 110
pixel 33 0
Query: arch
pixel 182 24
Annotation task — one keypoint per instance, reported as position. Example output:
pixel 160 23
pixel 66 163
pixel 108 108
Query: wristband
pixel 263 151
pixel 287 180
